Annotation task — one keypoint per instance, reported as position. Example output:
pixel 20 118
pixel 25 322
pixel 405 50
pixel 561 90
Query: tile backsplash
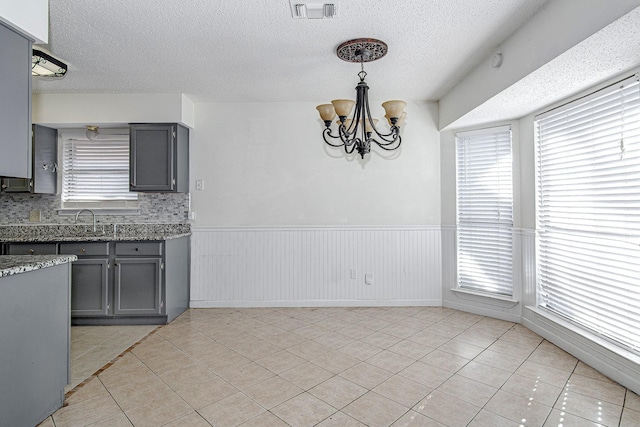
pixel 165 208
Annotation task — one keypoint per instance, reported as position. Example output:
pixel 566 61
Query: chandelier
pixel 357 132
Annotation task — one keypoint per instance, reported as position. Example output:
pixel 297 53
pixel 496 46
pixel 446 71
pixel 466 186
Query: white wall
pixel 30 17
pixel 284 219
pixel 78 110
pixel 265 164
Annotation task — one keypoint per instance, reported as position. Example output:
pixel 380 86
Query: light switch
pixel 199 184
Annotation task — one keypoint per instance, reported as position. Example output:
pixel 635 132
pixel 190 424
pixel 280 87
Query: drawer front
pixel 86 248
pixel 139 248
pixel 32 249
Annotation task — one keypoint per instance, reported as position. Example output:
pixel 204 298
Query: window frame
pixel 103 207
pixel 498 219
pixel 588 236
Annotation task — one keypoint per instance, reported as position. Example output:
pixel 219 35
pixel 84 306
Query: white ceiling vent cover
pixel 301 9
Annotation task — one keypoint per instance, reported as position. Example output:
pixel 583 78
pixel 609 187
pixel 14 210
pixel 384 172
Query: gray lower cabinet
pixel 34 342
pixel 90 287
pixel 122 282
pixel 89 277
pixel 137 286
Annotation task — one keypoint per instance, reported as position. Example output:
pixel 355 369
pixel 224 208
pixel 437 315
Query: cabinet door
pixel 45 158
pixel 152 157
pixel 89 287
pixel 137 286
pixel 15 104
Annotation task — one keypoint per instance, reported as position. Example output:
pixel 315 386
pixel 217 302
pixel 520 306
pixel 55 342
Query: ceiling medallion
pixel 356 132
pixel 362 50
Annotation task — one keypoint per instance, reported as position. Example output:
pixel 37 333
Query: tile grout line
pixel 107 365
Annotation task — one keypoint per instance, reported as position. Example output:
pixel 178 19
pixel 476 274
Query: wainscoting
pixel 260 267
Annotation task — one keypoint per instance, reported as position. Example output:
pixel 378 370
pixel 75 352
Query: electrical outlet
pixel 354 273
pixel 368 279
pixel 35 216
pixel 199 184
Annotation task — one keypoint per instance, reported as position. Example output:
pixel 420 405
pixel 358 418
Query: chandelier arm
pixel 327 132
pixel 386 146
pixel 352 145
pixel 344 134
pixel 394 134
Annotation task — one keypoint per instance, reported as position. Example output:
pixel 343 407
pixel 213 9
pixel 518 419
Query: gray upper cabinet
pixel 159 158
pixel 45 160
pixel 15 104
pixel 44 165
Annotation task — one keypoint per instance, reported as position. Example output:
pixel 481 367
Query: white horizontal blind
pixel 589 212
pixel 96 171
pixel 485 210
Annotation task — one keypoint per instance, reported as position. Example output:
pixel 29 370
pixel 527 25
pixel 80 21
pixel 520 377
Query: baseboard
pixel 316 303
pixel 618 364
pixel 484 311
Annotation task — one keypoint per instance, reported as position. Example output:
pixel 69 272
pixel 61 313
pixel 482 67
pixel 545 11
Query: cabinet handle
pixel 82 250
pixel 136 249
pixel 32 251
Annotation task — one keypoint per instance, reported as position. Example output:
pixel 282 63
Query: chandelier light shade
pixel 45 65
pixel 357 131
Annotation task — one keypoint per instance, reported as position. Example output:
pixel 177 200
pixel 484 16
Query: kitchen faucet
pixel 92 214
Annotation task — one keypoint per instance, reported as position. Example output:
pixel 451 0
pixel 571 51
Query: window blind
pixel 588 214
pixel 485 210
pixel 96 171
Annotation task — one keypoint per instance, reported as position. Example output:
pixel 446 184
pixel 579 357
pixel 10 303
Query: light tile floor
pixel 405 366
pixel 92 347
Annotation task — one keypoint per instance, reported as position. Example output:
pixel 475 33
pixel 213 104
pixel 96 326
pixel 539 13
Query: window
pixel 588 213
pixel 485 210
pixel 95 174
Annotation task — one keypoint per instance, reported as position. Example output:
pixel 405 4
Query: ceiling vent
pixel 301 9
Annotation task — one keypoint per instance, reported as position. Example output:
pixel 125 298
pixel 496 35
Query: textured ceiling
pixel 228 50
pixel 611 51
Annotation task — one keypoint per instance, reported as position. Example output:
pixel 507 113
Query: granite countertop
pixel 85 233
pixel 16 264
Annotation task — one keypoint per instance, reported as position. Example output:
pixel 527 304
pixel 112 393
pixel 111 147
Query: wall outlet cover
pixel 35 216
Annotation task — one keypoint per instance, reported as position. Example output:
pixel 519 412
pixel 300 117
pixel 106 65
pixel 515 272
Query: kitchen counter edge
pixel 92 238
pixel 16 264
